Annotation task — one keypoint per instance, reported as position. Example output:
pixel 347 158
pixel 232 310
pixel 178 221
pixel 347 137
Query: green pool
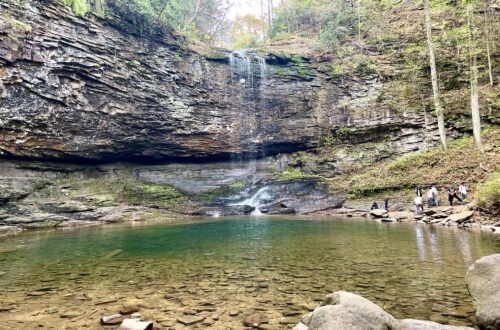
pixel 275 266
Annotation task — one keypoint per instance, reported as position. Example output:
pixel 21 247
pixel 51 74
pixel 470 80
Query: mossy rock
pixel 152 195
pixel 226 190
pixel 294 175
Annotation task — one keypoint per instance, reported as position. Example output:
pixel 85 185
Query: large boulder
pixel 379 213
pixel 459 217
pixel 483 282
pixel 344 310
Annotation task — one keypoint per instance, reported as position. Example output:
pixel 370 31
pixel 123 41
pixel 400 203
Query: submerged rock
pixel 111 319
pixel 70 314
pixel 129 309
pixel 190 319
pixel 483 282
pixel 136 324
pixel 255 320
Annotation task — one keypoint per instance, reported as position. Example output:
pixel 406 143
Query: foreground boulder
pixel 483 282
pixel 344 310
pixel 348 311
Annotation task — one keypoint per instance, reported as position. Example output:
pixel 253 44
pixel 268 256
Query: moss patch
pixel 151 195
pixel 230 189
pixel 294 175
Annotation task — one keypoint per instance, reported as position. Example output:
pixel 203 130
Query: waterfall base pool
pixel 280 268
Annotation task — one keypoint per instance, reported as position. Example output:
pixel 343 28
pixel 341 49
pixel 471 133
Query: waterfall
pixel 246 80
pixel 263 68
pixel 257 200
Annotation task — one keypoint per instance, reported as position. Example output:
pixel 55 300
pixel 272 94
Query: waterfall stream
pixel 248 73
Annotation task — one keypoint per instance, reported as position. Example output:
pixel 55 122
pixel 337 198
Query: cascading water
pixel 257 200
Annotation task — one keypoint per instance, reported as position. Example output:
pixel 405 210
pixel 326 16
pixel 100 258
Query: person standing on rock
pixel 463 192
pixel 434 195
pixel 452 193
pixel 418 204
pixel 418 192
pixel 386 203
pixel 430 197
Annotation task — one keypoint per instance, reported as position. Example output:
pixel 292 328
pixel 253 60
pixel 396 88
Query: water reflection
pixel 420 238
pixel 464 245
pixel 434 244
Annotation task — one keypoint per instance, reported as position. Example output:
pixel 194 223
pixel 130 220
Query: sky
pixel 244 7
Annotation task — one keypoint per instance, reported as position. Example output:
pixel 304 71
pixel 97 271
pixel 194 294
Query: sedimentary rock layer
pixel 79 89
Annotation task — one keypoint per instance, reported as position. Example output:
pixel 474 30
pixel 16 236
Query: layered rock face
pixel 77 89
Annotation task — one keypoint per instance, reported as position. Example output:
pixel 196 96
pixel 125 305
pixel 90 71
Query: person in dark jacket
pixel 452 193
pixel 418 192
pixel 374 206
pixel 386 203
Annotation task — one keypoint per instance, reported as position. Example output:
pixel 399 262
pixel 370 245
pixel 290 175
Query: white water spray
pixel 257 200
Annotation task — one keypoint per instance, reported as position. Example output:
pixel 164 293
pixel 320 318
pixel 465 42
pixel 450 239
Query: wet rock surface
pixel 64 195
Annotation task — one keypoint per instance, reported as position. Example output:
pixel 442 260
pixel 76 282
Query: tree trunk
pixel 288 17
pixel 426 122
pixel 193 17
pixel 487 36
pixel 434 78
pixel 474 94
pixel 358 12
pixel 262 17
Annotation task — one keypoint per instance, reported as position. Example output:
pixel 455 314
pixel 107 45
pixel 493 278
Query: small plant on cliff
pixel 79 7
pixel 16 24
pixel 293 174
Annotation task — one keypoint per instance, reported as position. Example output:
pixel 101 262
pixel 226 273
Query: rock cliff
pixel 80 90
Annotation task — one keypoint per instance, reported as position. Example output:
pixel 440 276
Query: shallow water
pixel 277 267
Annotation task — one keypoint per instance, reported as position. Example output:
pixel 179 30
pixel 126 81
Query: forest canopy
pixel 198 20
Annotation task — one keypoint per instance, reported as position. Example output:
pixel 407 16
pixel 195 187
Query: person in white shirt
pixel 430 197
pixel 463 192
pixel 434 195
pixel 418 204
